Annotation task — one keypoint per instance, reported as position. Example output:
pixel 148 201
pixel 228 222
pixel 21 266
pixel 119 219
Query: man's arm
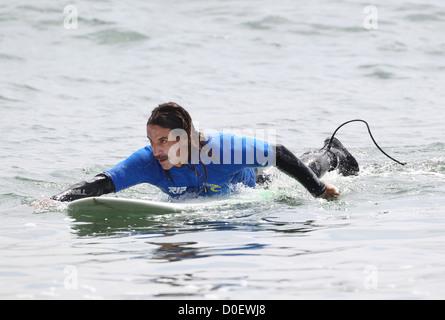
pixel 99 185
pixel 287 162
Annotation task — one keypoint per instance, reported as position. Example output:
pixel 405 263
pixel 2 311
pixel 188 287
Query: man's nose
pixel 158 151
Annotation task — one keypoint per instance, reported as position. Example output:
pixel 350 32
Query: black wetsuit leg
pixel 260 177
pixel 320 161
pixel 307 174
pixel 101 184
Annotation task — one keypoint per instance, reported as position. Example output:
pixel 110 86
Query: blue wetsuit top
pixel 231 162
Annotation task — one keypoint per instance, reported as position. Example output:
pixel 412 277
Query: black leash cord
pixel 369 130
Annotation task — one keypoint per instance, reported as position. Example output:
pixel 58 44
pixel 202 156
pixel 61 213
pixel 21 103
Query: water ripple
pixel 115 37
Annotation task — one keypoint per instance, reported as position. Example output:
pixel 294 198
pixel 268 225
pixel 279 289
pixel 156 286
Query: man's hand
pixel 331 192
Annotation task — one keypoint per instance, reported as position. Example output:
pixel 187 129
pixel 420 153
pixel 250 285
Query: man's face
pixel 160 144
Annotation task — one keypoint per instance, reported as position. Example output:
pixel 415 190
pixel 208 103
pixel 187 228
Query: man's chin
pixel 166 165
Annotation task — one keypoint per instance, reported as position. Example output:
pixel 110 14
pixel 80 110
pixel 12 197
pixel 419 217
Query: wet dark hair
pixel 172 116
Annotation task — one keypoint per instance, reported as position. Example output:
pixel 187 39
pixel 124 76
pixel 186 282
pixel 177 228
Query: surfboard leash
pixel 370 134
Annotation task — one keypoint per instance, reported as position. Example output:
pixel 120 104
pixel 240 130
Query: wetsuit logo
pixel 210 188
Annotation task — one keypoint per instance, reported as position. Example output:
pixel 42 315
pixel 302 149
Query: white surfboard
pixel 109 205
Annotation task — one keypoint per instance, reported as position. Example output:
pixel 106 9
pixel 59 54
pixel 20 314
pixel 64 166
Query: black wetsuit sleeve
pixel 287 162
pixel 99 185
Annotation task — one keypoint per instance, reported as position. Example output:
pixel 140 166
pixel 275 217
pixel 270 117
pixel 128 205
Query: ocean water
pixel 75 94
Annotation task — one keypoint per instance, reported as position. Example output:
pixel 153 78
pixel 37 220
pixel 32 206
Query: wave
pixel 267 23
pixel 115 36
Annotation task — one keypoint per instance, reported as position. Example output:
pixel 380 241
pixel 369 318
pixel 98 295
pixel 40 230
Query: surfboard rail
pixel 108 204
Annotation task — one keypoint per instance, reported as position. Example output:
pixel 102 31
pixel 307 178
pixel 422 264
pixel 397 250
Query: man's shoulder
pixel 145 152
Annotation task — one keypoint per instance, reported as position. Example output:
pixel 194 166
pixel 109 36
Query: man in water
pixel 182 161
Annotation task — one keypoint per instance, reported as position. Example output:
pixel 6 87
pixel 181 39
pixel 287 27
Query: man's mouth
pixel 162 160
